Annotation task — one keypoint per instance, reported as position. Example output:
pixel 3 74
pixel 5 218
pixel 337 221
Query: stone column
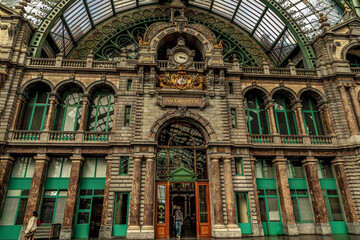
pixel 233 228
pixel 216 192
pixel 20 103
pixel 37 187
pixel 282 184
pixel 352 223
pixel 85 105
pixel 51 113
pixel 348 111
pixel 271 117
pixel 134 223
pixel 355 103
pixel 149 195
pixel 256 199
pixel 6 163
pixel 301 123
pixel 105 229
pixel 326 119
pixel 72 196
pixel 321 221
pixel 298 124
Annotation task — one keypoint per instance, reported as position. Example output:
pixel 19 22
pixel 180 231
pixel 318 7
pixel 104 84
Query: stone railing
pixel 306 72
pixel 73 63
pixel 59 136
pixel 355 70
pixel 253 70
pixel 104 64
pixel 280 71
pixel 162 64
pixel 291 139
pixel 43 62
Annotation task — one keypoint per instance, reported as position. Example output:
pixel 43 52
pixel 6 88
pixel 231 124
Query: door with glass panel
pixel 242 212
pixel 202 209
pixel 162 210
pixel 270 212
pixel 331 197
pixel 121 214
pixel 53 206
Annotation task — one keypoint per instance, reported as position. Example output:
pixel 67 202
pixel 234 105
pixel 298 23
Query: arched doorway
pixel 182 180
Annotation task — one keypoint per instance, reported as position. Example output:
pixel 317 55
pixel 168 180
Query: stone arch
pixel 318 96
pixel 60 87
pixel 288 92
pixel 101 84
pixel 190 117
pixel 347 48
pixel 263 92
pixel 26 88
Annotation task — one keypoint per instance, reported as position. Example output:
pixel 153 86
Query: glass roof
pixel 254 16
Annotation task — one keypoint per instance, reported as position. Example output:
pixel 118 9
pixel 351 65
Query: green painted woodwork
pixel 36 111
pixel 245 226
pixel 182 174
pixel 124 165
pixel 255 106
pixel 101 111
pixel 121 229
pixel 68 112
pixel 286 124
pixel 313 123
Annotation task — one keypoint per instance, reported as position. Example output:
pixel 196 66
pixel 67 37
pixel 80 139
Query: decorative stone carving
pixel 181 80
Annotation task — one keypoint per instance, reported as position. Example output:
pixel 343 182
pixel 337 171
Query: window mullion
pixel 33 110
pixel 44 114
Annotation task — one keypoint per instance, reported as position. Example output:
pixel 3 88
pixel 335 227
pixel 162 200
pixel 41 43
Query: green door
pixel 243 214
pixel 121 213
pixel 270 212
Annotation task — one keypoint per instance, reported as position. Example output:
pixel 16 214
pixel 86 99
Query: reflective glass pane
pixel 281 120
pixel 124 162
pixel 60 112
pixel 305 209
pixel 83 218
pixel 263 209
pixel 21 211
pixel 318 123
pixel 238 166
pixel 66 168
pixel 264 122
pixel 89 167
pixel 274 214
pixel 335 209
pixel 254 122
pixel 55 167
pixel 292 122
pixel 101 168
pixel 310 124
pixel 242 208
pixel 296 209
pixel 85 203
pixel 203 204
pixel 9 211
pixel 38 118
pixel 27 117
pixel 70 119
pixel 161 200
pixel 30 167
pixel 47 211
pixel 268 169
pixel 59 212
pixel 121 206
pixel 19 167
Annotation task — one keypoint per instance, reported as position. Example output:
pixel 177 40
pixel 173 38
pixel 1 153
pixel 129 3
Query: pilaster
pixel 6 163
pixel 148 223
pixel 105 228
pixel 348 111
pixel 257 225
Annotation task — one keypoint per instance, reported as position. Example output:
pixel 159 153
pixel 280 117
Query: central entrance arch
pixel 182 180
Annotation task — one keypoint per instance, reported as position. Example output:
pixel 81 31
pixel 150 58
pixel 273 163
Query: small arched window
pixel 68 112
pixel 284 116
pixel 101 111
pixel 256 114
pixel 353 56
pixel 36 110
pixel 311 115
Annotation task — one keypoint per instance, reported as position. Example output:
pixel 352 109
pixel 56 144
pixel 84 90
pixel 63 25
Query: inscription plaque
pixel 182 101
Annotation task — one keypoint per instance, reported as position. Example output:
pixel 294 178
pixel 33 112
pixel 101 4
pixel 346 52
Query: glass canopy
pixel 260 18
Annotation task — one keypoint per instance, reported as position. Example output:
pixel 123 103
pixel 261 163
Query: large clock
pixel 181 57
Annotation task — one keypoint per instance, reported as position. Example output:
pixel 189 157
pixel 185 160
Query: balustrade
pixel 23 135
pixel 62 136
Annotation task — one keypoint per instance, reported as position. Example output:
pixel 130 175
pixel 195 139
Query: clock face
pixel 181 57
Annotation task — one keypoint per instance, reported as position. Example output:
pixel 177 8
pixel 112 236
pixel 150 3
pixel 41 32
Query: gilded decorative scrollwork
pixel 181 80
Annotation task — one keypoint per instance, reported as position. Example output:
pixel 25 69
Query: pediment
pixel 182 174
pixel 6 11
pixel 349 26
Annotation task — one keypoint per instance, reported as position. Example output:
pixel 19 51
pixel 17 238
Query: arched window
pixel 312 118
pixel 256 114
pixel 353 56
pixel 101 111
pixel 284 116
pixel 36 110
pixel 181 144
pixel 68 112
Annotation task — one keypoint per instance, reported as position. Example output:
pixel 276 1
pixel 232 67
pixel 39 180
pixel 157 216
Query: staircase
pixel 43 232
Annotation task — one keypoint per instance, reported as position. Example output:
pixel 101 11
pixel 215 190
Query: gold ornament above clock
pixel 181 80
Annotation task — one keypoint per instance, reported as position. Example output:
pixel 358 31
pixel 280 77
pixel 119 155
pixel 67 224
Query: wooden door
pixel 203 224
pixel 162 210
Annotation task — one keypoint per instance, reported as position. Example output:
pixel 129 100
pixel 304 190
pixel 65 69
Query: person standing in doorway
pixel 31 227
pixel 178 221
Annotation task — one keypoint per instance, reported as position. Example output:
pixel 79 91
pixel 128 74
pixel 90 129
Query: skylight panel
pixel 201 3
pixel 269 29
pixel 283 47
pixel 61 37
pixel 77 19
pixel 122 5
pixel 145 2
pixel 225 8
pixel 99 9
pixel 248 14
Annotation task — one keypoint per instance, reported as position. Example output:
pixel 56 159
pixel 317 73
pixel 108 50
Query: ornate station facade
pixel 106 131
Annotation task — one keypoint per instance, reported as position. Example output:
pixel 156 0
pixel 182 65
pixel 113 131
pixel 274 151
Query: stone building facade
pixel 110 148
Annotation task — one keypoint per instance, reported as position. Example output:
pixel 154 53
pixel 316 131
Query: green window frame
pixel 57 210
pixel 239 170
pixel 94 167
pixel 243 216
pixel 23 167
pixel 36 111
pixel 70 108
pixel 312 119
pixel 231 88
pixel 127 116
pixel 325 170
pixel 124 165
pixel 14 207
pixel 233 118
pixel 332 201
pixel 354 60
pixel 101 112
pixel 85 204
pixel 295 169
pixel 261 119
pixel 129 84
pixel 284 116
pixel 121 219
pixel 264 169
pixel 59 167
pixel 301 205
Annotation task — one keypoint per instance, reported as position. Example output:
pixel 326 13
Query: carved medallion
pixel 181 80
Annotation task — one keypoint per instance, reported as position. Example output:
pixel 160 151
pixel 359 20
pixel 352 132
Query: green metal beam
pixel 68 29
pixel 278 39
pixel 211 5
pixel 259 21
pixel 89 14
pixel 236 9
pixel 113 7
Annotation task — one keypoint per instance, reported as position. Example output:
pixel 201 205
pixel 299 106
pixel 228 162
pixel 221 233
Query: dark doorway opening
pixel 183 194
pixel 95 221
